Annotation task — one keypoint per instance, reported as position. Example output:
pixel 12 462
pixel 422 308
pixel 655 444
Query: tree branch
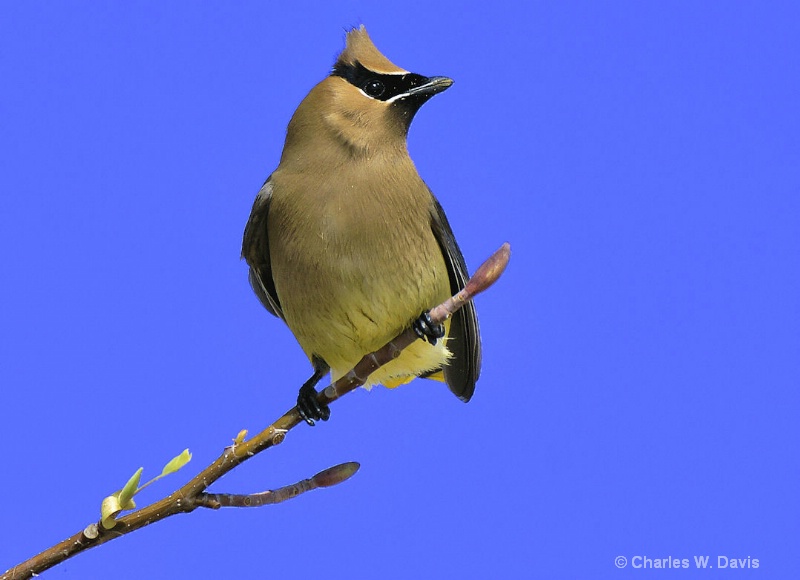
pixel 326 478
pixel 193 495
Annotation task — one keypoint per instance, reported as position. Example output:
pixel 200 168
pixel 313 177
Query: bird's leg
pixel 426 329
pixel 310 410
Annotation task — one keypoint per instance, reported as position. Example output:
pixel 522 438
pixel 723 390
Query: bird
pixel 347 244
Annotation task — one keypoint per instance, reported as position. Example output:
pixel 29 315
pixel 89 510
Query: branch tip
pixel 489 271
pixel 336 474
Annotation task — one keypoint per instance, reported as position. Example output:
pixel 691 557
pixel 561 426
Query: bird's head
pixel 367 102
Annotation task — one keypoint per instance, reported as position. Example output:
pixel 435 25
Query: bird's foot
pixel 308 406
pixel 426 329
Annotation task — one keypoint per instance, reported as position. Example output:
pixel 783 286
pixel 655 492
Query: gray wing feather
pixel 464 368
pixel 255 249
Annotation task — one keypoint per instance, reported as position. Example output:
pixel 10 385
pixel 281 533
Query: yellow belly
pixel 345 308
pixel 351 273
pixel 418 358
pixel 346 324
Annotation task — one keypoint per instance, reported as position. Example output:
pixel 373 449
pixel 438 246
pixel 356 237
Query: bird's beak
pixel 430 87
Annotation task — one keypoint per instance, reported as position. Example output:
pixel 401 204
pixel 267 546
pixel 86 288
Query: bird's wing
pixel 462 371
pixel 255 249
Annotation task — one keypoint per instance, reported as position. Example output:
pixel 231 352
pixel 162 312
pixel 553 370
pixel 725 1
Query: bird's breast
pixel 354 263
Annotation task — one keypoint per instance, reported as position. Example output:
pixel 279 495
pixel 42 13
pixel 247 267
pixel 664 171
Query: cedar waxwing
pixel 347 244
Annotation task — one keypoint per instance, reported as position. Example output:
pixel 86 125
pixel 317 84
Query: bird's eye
pixel 374 88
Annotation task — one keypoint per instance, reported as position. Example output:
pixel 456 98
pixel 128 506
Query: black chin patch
pixel 378 86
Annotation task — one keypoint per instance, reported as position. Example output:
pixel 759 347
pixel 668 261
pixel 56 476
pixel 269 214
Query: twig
pixel 326 478
pixel 192 495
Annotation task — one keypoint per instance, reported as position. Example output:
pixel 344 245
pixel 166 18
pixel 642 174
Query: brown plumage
pixel 345 241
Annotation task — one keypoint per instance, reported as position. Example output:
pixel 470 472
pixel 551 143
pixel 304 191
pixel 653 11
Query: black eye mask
pixel 377 85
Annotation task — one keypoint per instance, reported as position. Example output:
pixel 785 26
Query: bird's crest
pixel 359 48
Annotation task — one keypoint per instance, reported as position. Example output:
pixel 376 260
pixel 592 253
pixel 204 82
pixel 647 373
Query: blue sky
pixel 639 390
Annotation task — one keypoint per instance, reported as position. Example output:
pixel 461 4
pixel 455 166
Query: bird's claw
pixel 426 329
pixel 309 408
